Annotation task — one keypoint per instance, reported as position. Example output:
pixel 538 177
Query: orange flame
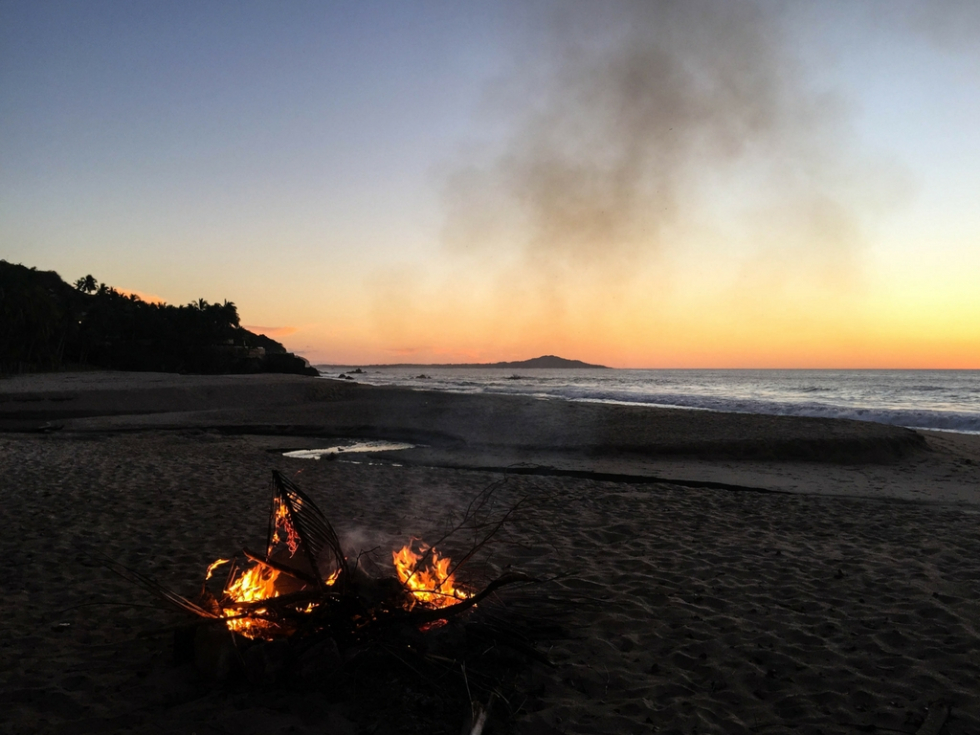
pixel 283 524
pixel 256 583
pixel 431 584
pixel 217 563
pixel 422 571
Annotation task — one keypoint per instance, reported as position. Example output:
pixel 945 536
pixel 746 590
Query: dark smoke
pixel 627 122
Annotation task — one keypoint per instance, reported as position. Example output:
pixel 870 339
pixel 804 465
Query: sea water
pixel 945 400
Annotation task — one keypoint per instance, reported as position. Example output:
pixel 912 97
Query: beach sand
pixel 711 573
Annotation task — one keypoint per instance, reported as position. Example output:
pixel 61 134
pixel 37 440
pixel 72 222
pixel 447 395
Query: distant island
pixel 547 362
pixel 48 324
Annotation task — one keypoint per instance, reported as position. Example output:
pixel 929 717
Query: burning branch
pixel 304 585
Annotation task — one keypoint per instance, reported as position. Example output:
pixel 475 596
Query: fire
pixel 432 585
pixel 421 570
pixel 305 582
pixel 214 565
pixel 284 525
pixel 282 574
pixel 254 584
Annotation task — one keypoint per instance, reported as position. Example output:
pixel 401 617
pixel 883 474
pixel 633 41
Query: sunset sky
pixel 640 184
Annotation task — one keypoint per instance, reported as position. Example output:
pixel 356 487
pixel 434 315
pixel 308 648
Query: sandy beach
pixel 710 573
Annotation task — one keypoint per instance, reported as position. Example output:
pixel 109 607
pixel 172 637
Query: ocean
pixel 944 400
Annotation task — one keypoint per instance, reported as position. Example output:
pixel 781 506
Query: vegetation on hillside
pixel 47 324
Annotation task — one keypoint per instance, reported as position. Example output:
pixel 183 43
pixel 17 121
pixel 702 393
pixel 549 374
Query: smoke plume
pixel 631 124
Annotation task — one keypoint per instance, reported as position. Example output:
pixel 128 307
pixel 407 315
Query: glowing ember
pixel 431 584
pixel 217 563
pixel 283 524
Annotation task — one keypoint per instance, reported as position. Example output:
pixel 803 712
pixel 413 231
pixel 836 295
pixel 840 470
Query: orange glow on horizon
pixel 272 332
pixel 142 296
pixel 690 345
pixel 880 355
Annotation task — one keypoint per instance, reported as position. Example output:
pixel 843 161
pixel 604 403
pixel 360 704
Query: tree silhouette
pixel 87 284
pixel 47 324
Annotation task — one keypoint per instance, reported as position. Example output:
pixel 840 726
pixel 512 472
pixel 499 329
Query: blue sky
pixel 366 177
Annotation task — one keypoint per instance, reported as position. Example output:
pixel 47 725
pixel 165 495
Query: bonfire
pixel 305 584
pixel 304 612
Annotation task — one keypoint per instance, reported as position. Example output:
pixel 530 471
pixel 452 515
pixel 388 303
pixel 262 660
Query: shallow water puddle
pixel 377 446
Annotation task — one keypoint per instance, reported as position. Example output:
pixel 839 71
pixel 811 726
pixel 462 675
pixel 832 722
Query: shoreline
pixel 894 397
pixel 481 420
pixel 449 430
pixel 64 383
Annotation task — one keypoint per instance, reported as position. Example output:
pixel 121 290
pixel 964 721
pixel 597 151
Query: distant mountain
pixel 549 362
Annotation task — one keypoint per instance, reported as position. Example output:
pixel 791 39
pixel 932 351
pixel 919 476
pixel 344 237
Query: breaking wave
pixel 942 400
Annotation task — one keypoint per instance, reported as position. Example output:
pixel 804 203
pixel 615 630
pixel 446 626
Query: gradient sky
pixel 708 183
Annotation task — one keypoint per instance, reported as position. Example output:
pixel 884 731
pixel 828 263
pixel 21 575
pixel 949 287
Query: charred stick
pixel 486 538
pixel 428 616
pixel 289 496
pixel 168 595
pixel 294 598
pixel 282 568
pixel 472 510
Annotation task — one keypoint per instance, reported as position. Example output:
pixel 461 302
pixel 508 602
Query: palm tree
pixel 87 284
pixel 231 313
